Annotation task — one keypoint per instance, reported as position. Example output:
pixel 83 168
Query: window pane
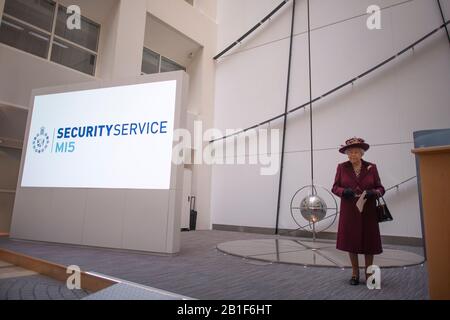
pixel 150 62
pixel 87 36
pixel 73 57
pixel 24 38
pixel 36 12
pixel 168 65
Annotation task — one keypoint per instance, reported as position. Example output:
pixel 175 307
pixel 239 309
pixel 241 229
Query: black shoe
pixel 354 281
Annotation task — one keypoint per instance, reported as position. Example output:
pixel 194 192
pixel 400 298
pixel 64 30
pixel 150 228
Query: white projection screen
pixel 96 167
pixel 118 137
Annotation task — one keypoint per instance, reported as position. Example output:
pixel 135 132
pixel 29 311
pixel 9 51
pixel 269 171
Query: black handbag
pixel 383 212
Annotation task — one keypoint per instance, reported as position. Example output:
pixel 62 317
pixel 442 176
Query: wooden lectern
pixel 434 167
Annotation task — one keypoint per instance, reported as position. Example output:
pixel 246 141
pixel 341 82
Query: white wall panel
pixel 252 88
pixel 67 225
pixel 243 197
pixel 103 218
pixel 144 216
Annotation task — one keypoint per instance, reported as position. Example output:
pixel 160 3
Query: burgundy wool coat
pixel 358 232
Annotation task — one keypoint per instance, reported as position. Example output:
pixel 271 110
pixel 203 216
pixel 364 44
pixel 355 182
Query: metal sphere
pixel 318 208
pixel 313 208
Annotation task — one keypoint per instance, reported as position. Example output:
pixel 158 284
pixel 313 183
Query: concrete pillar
pixel 201 104
pixel 203 182
pixel 129 42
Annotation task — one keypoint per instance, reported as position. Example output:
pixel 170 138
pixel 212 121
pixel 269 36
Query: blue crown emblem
pixel 41 141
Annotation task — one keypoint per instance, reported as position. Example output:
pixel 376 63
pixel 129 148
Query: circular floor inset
pixel 309 253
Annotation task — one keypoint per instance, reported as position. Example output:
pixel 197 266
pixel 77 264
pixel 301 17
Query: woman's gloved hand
pixel 371 194
pixel 348 193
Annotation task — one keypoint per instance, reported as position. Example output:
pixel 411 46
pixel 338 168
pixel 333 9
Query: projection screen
pixel 119 138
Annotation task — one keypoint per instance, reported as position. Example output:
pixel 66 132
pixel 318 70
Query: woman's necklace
pixel 357 169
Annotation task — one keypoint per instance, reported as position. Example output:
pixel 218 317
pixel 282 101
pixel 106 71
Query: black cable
pixel 443 19
pixel 285 117
pixel 256 26
pixel 340 86
pixel 310 95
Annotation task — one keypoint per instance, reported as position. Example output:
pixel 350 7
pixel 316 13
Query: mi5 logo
pixel 65 147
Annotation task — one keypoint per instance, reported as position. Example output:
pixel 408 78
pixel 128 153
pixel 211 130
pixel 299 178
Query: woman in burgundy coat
pixel 358 232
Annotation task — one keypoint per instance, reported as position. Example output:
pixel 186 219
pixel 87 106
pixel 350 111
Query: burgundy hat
pixel 354 143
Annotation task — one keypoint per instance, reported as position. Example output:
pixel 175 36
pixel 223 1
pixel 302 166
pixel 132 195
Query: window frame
pixel 54 37
pixel 160 56
pixel 36 32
